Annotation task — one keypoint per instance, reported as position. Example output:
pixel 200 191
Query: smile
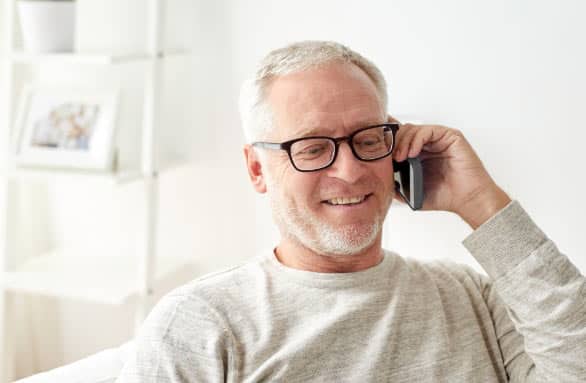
pixel 347 200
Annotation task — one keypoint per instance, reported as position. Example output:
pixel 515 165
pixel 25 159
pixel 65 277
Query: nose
pixel 347 167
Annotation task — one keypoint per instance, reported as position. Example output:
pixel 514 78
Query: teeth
pixel 346 200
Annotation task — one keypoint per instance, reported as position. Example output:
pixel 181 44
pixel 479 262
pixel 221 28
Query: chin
pixel 346 241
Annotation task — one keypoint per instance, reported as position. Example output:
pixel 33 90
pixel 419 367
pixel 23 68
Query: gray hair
pixel 255 112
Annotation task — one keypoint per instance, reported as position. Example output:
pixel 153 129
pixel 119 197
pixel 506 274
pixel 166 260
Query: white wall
pixel 509 74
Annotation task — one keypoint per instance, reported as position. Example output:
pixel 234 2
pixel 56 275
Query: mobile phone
pixel 409 181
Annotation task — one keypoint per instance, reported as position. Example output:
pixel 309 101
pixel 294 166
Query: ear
pixel 255 171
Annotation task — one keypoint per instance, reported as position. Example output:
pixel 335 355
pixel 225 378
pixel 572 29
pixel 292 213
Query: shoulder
pixel 214 288
pixel 457 286
pixel 202 300
pixel 184 330
pixel 441 273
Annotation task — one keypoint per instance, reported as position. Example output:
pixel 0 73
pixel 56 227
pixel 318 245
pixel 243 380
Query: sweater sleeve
pixel 181 341
pixel 544 296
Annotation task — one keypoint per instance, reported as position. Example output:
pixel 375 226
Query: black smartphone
pixel 409 181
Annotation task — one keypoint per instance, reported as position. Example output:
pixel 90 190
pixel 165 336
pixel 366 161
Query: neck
pixel 295 255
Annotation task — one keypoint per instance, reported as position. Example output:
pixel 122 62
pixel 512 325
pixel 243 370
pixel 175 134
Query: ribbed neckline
pixel 329 280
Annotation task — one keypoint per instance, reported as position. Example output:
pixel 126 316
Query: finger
pixel 427 134
pixel 426 155
pixel 443 141
pixel 406 131
pixel 413 141
pixel 393 119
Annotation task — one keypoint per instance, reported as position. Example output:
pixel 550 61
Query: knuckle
pixel 457 132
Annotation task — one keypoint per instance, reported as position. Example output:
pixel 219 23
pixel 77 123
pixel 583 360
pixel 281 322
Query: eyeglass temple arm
pixel 267 145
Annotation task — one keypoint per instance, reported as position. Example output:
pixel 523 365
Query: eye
pixel 372 140
pixel 369 141
pixel 311 151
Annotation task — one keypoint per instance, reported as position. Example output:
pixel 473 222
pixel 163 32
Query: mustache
pixel 334 188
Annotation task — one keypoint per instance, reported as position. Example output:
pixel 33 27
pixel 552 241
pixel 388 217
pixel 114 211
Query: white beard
pixel 303 227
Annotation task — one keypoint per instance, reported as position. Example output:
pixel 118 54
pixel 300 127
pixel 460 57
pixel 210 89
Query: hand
pixel 454 178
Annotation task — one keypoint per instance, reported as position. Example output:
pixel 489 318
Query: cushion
pixel 102 367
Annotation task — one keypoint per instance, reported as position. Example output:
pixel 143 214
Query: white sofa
pixel 102 367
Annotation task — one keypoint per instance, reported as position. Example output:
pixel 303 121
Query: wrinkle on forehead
pixel 338 98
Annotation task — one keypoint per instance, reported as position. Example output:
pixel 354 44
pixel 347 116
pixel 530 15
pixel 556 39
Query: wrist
pixel 483 206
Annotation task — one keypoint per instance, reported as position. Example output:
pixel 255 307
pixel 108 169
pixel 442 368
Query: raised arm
pixel 537 296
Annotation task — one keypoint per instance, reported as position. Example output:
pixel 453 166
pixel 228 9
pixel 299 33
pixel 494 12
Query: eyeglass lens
pixel 316 153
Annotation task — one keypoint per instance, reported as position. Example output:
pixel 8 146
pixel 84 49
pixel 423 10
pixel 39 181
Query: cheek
pixel 303 188
pixel 384 174
pixel 297 188
pixel 307 184
pixel 277 172
pixel 386 183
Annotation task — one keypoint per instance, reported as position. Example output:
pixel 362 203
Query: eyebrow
pixel 318 131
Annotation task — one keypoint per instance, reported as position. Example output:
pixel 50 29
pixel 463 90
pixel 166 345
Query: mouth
pixel 347 201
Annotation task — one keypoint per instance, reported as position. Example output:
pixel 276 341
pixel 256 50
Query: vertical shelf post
pixel 149 158
pixel 6 328
pixel 6 337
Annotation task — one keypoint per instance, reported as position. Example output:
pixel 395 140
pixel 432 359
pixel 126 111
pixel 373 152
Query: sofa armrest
pixel 103 367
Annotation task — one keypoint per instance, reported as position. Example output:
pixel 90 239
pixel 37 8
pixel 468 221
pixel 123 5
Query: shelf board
pixel 99 279
pixel 13 171
pixel 31 173
pixel 89 58
pixel 82 58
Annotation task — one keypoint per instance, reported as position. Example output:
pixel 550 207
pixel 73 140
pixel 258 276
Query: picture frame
pixel 66 127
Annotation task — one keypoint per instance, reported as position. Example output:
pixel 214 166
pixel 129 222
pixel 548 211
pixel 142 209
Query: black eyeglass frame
pixel 394 127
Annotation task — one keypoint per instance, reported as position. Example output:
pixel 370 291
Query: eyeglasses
pixel 308 154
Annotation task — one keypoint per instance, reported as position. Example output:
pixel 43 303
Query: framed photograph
pixel 66 128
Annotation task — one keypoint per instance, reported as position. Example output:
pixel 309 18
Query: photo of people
pixel 67 126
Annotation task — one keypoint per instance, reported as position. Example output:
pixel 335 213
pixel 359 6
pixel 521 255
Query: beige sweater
pixel 400 321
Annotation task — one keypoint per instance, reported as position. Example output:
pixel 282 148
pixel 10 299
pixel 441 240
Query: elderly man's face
pixel 311 208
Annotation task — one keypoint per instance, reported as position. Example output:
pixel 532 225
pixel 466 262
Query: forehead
pixel 332 99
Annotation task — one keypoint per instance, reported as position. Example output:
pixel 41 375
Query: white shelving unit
pixel 63 275
pixel 16 173
pixel 104 59
pixel 88 58
pixel 61 272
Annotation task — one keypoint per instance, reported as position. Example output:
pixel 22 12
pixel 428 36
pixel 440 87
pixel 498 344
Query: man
pixel 329 304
